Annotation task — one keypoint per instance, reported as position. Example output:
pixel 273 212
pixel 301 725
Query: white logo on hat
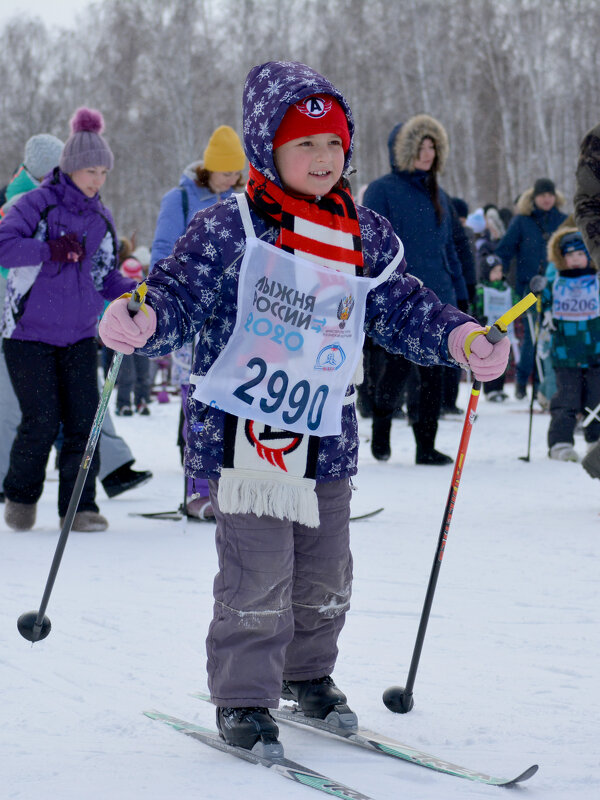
pixel 314 107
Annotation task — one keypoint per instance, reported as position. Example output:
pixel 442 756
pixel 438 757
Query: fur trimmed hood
pixel 405 140
pixel 525 204
pixel 554 254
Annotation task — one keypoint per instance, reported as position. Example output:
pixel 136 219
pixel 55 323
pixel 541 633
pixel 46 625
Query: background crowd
pixel 479 256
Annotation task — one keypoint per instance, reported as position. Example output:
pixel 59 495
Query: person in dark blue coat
pixel 420 213
pixel 538 216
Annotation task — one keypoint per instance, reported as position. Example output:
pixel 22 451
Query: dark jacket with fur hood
pixel 402 197
pixel 527 237
pixel 587 192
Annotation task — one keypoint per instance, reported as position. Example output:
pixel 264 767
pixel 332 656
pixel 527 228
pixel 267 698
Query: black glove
pixel 66 248
pixel 463 305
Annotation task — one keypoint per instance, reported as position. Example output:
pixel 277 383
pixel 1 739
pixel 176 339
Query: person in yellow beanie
pixel 202 184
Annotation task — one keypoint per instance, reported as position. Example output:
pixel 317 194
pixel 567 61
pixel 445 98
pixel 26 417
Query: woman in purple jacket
pixel 60 245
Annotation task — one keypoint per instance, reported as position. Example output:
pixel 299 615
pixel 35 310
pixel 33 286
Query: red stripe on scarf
pixel 282 208
pixel 296 241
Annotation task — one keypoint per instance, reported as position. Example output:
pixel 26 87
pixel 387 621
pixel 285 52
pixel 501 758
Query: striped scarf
pixel 324 230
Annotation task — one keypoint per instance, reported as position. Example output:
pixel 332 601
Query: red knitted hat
pixel 319 113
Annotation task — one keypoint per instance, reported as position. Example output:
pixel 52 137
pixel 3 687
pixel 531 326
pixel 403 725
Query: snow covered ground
pixel 508 675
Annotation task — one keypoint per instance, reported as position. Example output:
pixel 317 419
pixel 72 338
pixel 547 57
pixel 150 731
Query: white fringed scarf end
pixel 285 497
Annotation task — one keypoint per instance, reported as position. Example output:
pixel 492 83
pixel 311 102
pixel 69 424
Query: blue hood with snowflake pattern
pixel 269 91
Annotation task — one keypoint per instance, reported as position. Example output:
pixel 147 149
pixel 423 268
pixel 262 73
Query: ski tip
pixel 524 776
pixel 367 515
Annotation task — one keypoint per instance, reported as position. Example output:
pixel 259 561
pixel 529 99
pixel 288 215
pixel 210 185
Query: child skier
pixel 272 419
pixel 572 301
pixel 493 297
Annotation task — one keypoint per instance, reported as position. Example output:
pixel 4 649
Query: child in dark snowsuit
pixel 573 300
pixel 493 297
pixel 272 417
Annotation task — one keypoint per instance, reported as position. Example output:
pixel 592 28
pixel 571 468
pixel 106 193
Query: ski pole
pixel 399 699
pixel 537 285
pixel 34 625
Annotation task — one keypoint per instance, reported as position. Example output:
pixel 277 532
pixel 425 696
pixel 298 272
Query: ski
pixel 282 766
pixel 175 516
pixel 390 747
pixel 369 740
pixel 367 515
pixel 168 515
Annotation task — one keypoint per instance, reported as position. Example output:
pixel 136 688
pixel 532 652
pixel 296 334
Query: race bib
pixel 497 302
pixel 295 346
pixel 575 299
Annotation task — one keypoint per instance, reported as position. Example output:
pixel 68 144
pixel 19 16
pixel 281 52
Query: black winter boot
pixel 432 457
pixel 424 434
pixel 250 728
pixel 320 698
pixel 380 439
pixel 123 479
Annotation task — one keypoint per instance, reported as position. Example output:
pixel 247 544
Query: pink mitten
pixel 487 361
pixel 120 331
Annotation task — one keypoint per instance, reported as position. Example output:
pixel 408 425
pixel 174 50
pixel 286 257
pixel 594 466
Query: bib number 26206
pixel 296 400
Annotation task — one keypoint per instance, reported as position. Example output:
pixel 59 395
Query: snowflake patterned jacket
pixel 195 289
pixel 58 304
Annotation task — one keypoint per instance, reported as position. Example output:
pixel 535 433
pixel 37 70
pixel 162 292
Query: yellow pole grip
pixel 500 327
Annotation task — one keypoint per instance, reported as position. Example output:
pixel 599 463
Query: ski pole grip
pixel 499 329
pixel 136 299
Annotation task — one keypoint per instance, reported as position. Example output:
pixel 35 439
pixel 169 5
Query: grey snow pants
pixel 281 596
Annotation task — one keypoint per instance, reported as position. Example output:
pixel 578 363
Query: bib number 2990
pixel 297 399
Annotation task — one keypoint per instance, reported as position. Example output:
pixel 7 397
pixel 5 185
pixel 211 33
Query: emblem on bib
pixel 344 310
pixel 330 357
pixel 272 444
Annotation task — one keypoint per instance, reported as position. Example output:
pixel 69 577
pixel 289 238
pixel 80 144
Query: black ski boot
pixel 250 728
pixel 320 698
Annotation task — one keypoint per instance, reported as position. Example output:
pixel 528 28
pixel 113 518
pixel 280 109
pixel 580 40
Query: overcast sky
pixel 61 13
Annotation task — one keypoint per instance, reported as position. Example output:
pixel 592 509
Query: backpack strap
pixel 185 203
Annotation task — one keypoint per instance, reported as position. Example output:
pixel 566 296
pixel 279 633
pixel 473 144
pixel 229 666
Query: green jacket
pixel 22 181
pixel 479 300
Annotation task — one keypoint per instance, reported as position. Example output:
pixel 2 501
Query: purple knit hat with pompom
pixel 85 147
